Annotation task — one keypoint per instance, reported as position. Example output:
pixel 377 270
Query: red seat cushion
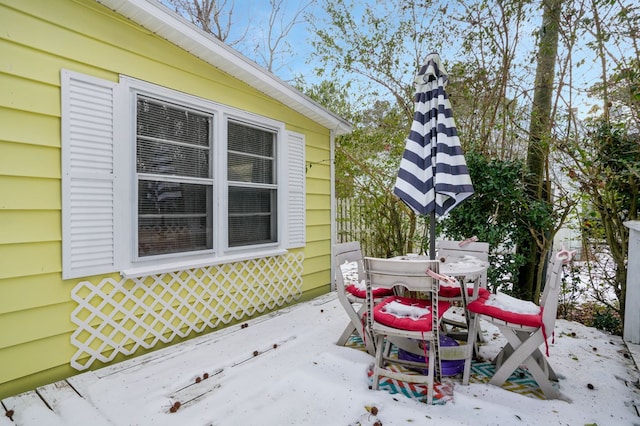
pixel 454 291
pixel 420 323
pixel 480 306
pixel 362 293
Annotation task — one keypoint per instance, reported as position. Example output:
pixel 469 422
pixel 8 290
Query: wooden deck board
pixel 28 409
pixel 53 394
pixel 81 382
pixel 58 395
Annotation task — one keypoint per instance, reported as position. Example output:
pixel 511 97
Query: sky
pixel 254 14
pixel 285 369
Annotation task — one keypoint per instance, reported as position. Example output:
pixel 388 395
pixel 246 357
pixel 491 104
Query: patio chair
pixel 413 316
pixel 351 290
pixel 477 249
pixel 526 327
pixel 453 294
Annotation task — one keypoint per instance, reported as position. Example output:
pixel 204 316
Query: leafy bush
pixel 593 314
pixel 494 214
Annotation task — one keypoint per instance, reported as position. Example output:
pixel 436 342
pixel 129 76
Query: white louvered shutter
pixel 296 206
pixel 87 175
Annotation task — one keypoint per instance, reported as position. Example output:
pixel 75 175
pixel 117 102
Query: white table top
pixel 455 266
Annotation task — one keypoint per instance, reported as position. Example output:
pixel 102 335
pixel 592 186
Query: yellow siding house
pixel 154 185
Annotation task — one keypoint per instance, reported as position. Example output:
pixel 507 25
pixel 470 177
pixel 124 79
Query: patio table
pixel 465 269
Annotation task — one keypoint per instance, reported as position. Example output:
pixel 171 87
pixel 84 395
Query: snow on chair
pixel 526 326
pixel 414 316
pixel 351 290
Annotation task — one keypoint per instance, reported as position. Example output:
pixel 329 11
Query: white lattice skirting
pixel 120 316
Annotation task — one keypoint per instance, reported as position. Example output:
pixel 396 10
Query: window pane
pixel 252 216
pixel 250 154
pixel 250 140
pixel 242 168
pixel 173 217
pixel 158 120
pixel 172 140
pixel 166 159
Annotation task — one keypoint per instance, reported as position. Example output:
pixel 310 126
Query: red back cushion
pixel 452 291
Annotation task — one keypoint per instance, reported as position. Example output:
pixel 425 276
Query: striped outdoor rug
pixel 520 381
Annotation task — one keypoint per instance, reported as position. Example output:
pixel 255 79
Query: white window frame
pixel 208 181
pixel 277 185
pixel 289 179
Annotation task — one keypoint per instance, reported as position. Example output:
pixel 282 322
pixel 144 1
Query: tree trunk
pixel 529 279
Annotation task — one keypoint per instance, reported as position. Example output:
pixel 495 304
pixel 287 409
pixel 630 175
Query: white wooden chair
pixel 526 327
pixel 351 290
pixel 470 247
pixel 479 250
pixel 405 317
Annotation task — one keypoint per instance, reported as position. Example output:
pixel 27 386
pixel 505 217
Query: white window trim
pixel 124 182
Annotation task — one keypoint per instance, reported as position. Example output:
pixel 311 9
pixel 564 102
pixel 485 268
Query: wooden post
pixel 632 301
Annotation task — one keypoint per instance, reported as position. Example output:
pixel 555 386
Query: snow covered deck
pixel 166 383
pixel 285 368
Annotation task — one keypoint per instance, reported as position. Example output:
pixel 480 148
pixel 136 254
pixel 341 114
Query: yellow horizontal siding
pixel 28 95
pixel 40 355
pixel 317 167
pixel 317 283
pixel 29 128
pixel 33 291
pixel 27 193
pixel 318 216
pixel 319 202
pixel 20 226
pixel 17 59
pixel 319 232
pixel 316 248
pixel 316 140
pixel 18 260
pixel 39 323
pixel 20 159
pixel 317 263
pixel 318 186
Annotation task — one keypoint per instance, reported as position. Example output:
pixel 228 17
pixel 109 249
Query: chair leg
pixel 507 350
pixel 433 347
pixel 379 361
pixel 348 331
pixel 357 326
pixel 471 347
pixel 523 354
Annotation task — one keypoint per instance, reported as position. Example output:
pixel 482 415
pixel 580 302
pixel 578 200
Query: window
pixel 174 175
pixel 158 180
pixel 251 173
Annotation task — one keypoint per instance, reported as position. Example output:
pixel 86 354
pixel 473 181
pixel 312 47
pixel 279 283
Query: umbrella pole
pixel 424 241
pixel 432 235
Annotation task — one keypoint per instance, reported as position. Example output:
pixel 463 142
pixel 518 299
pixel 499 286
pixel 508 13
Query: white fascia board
pixel 156 17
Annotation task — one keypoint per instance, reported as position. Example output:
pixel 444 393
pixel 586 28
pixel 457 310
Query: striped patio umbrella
pixel 433 177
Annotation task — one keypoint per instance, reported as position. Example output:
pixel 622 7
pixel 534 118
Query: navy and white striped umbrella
pixel 433 177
